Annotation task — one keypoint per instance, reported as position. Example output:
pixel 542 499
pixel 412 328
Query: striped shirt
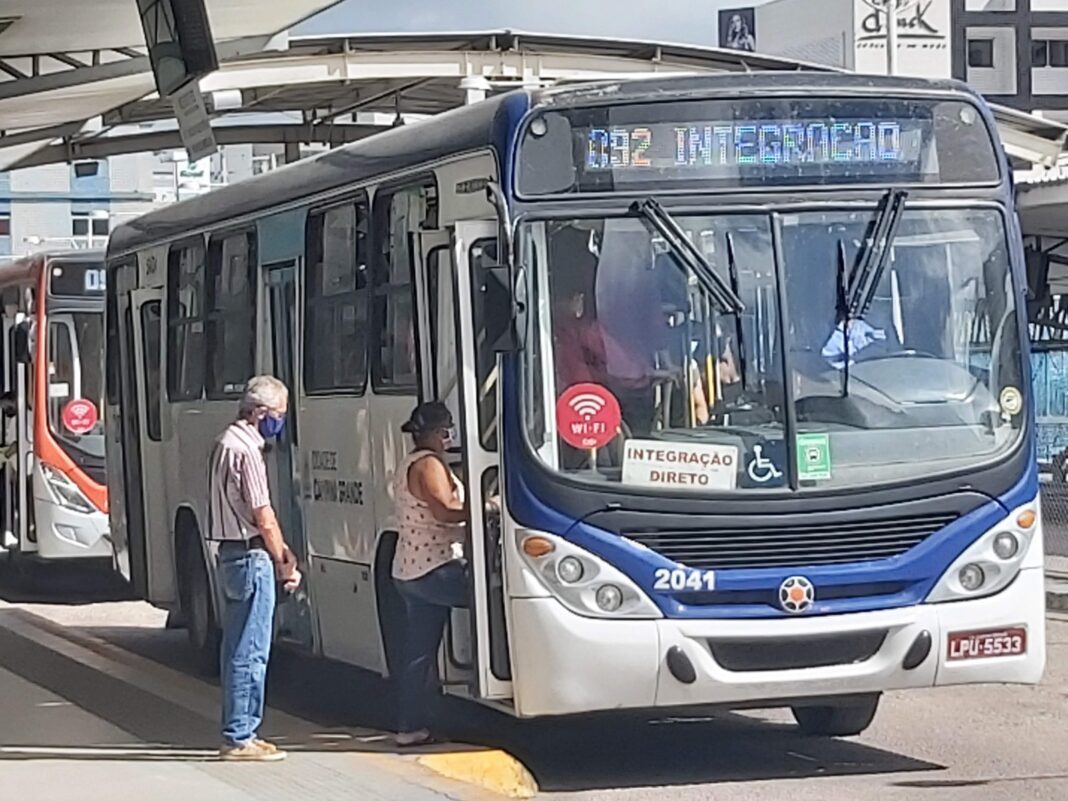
pixel 237 483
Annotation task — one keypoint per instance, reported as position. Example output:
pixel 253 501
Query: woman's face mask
pixel 448 436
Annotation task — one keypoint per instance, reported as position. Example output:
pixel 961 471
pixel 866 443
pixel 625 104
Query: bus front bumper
pixel 566 663
pixel 66 534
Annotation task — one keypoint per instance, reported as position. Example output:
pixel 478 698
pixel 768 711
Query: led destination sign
pixel 755 143
pixel 72 279
pixel 733 146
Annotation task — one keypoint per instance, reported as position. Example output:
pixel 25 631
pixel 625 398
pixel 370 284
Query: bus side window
pixel 398 215
pixel 231 318
pixel 335 298
pixel 483 255
pixel 185 321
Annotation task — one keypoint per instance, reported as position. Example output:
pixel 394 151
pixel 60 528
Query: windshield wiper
pixel 869 272
pixel 732 266
pixel 673 233
pixel 841 305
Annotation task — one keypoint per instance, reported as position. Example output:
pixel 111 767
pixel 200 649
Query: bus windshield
pixel 76 372
pixel 790 390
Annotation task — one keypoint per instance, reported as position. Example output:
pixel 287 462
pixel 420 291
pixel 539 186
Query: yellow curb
pixel 497 771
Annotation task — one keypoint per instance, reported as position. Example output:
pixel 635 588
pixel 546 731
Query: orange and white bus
pixel 53 492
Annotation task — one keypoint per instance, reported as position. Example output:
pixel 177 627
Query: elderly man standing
pixel 252 557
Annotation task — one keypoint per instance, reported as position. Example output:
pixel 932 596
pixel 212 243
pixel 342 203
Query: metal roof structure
pixel 65 62
pixel 330 85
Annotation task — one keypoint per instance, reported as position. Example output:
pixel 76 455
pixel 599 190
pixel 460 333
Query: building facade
pixel 60 206
pixel 1014 51
pixel 852 34
pixel 71 205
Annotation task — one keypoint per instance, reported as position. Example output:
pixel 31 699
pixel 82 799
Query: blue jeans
pixel 248 591
pixel 428 601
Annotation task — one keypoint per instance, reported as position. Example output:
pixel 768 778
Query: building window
pixel 5 224
pixel 231 319
pixel 1040 53
pixel 86 169
pixel 1058 53
pixel 1049 53
pixel 981 53
pixel 336 300
pixel 81 223
pixel 185 321
pixel 399 215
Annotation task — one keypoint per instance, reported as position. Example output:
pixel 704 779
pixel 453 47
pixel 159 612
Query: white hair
pixel 263 391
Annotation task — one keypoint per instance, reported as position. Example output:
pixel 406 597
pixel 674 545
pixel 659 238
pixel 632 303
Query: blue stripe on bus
pixel 908 578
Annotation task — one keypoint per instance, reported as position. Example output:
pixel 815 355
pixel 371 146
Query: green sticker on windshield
pixel 813 457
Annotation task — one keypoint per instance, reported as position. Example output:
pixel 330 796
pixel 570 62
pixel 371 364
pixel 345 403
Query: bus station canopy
pixel 65 62
pixel 336 89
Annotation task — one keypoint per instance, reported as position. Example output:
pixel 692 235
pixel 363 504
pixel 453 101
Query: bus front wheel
pixel 837 718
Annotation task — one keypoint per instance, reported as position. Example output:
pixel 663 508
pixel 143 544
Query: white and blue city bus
pixel 744 358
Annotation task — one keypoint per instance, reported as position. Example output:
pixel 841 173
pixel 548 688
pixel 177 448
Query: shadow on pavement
pixel 591 752
pixel 64 583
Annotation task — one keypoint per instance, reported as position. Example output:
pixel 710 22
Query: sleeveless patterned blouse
pixel 423 541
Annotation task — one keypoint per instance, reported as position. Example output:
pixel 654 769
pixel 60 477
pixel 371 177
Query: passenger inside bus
pixel 601 322
pixel 636 331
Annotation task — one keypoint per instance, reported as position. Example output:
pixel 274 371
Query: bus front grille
pixel 793 546
pixel 796 653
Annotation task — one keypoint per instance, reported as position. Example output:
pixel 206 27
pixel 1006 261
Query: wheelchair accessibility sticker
pixel 762 470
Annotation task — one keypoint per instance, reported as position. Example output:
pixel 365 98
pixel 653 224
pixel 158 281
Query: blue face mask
pixel 271 427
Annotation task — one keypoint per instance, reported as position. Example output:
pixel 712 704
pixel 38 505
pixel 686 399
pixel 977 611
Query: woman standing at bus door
pixel 428 568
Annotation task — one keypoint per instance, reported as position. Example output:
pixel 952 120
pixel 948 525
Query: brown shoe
pixel 252 751
pixel 267 746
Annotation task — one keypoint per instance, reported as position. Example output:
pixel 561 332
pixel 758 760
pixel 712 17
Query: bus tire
pixel 198 603
pixel 389 603
pixel 845 718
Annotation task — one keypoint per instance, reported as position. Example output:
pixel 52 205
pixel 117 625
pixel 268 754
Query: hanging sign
pixel 80 416
pixel 587 416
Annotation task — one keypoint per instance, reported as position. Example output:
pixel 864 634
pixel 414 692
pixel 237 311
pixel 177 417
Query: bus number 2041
pixel 681 579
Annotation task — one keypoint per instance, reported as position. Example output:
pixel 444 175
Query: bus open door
pixel 458 368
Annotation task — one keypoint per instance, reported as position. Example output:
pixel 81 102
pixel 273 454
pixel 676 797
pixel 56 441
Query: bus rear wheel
pixel 837 718
pixel 199 614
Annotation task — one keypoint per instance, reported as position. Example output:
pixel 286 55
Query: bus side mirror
pixel 21 343
pixel 497 309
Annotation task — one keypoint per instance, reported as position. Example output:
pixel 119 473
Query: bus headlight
pixel 1006 545
pixel 570 570
pixel 609 597
pixel 64 491
pixel 990 563
pixel 584 583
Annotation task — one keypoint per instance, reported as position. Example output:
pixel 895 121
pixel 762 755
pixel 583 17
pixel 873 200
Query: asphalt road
pixel 973 743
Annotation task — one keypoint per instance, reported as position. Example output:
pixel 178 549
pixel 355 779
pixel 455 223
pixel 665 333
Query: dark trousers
pixel 428 601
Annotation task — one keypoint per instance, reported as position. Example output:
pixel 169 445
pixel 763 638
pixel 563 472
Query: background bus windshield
pixel 76 371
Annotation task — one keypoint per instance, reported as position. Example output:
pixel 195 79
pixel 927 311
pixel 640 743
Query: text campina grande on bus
pixel 55 500
pixel 743 356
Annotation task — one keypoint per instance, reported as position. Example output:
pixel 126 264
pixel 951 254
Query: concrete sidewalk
pixel 78 723
pixel 1057 583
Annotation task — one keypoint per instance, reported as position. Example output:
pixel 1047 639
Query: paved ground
pixel 137 719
